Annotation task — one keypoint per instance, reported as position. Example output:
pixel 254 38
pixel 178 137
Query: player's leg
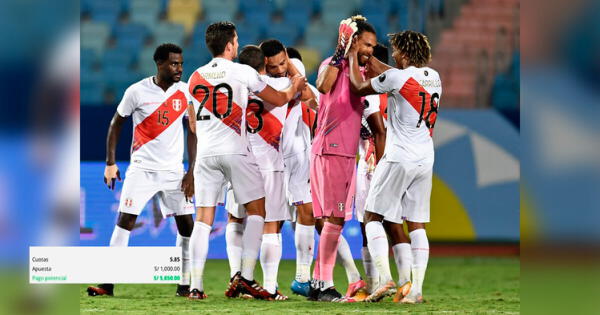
pixel 270 257
pixel 383 201
pixel 248 189
pixel 333 176
pixel 185 225
pixel 371 272
pixel 297 174
pixel 208 181
pixel 233 241
pixel 417 206
pixel 276 213
pixel 138 187
pixel 402 256
pixel 363 182
pixel 304 239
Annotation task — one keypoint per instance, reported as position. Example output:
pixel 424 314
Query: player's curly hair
pixel 414 45
pixel 362 25
pixel 162 52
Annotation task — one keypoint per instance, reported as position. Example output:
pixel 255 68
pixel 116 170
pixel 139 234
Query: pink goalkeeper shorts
pixel 332 185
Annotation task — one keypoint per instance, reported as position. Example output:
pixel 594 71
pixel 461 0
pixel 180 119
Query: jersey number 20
pixel 216 100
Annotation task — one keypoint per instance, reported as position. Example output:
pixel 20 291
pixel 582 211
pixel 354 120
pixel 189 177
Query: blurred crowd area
pixel 475 43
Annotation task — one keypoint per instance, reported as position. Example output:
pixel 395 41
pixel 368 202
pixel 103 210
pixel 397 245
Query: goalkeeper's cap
pixel 299 65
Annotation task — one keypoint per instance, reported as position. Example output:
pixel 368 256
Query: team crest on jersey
pixel 176 104
pixel 341 206
pixel 128 202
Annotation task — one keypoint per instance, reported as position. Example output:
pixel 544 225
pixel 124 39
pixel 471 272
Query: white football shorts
pixel 141 185
pixel 297 178
pixel 212 172
pixel 401 191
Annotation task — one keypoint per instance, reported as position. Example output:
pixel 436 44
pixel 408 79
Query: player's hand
pixel 187 186
pixel 111 174
pixel 299 83
pixel 346 33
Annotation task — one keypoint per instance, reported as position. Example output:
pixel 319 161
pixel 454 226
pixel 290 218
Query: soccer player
pixel 219 93
pixel 372 127
pixel 333 153
pixel 157 105
pixel 401 186
pixel 265 127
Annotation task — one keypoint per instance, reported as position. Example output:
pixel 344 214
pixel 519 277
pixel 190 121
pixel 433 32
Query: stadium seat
pixel 117 58
pixel 166 32
pixel 145 64
pixel 311 58
pixel 298 17
pixel 284 32
pixel 380 23
pixel 265 6
pixel 184 12
pixel 94 35
pixel 105 11
pixel 91 86
pixel 258 17
pixel 130 35
pixel 375 7
pixel 145 12
pixel 88 58
pixel 221 10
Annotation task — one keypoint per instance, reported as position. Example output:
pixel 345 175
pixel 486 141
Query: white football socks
pixel 233 240
pixel 251 242
pixel 420 251
pixel 270 256
pixel 378 247
pixel 304 239
pixel 404 259
pixel 120 237
pixel 344 257
pixel 184 243
pixel 371 272
pixel 198 252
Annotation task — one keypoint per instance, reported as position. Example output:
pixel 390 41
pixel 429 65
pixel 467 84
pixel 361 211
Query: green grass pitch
pixel 452 285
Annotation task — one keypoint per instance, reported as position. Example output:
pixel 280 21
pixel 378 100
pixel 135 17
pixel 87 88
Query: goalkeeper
pixel 333 153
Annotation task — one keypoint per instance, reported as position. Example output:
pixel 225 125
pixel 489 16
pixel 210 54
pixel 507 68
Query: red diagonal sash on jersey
pixel 162 118
pixel 234 120
pixel 410 91
pixel 383 105
pixel 271 126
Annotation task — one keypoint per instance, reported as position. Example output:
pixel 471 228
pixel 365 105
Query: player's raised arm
pixel 327 76
pixel 357 84
pixel 375 122
pixel 111 171
pixel 280 98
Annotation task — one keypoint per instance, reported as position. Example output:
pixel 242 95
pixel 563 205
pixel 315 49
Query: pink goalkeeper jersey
pixel 339 117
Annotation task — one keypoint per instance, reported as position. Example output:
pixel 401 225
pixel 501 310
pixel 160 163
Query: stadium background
pixel 475 44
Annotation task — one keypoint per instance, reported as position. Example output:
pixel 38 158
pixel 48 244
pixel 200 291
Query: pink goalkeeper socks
pixel 330 238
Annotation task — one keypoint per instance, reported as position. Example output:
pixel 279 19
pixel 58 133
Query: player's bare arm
pixel 111 171
pixel 357 84
pixel 187 183
pixel 376 67
pixel 327 78
pixel 280 98
pixel 375 122
pixel 309 98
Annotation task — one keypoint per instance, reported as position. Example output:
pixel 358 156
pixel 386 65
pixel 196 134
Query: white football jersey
pixel 412 111
pixel 373 104
pixel 219 91
pixel 298 123
pixel 265 126
pixel 157 127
